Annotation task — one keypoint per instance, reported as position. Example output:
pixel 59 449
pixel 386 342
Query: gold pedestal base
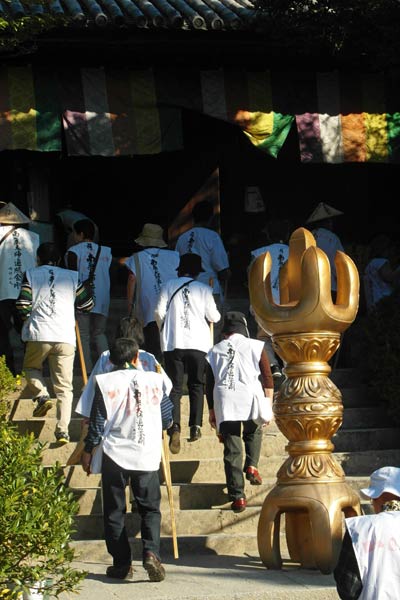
pixel 314 522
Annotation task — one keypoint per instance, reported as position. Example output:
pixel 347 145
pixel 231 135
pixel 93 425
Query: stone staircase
pixel 204 520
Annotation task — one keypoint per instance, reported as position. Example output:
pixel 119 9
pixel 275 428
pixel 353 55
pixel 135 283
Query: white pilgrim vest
pixel 133 431
pixel 147 362
pixel 156 265
pixel 17 255
pixel 208 244
pixel 279 255
pixel 53 299
pixel 101 281
pixel 376 542
pixel 235 365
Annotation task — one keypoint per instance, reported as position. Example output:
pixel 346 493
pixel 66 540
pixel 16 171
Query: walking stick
pixel 75 457
pixel 168 482
pixel 211 284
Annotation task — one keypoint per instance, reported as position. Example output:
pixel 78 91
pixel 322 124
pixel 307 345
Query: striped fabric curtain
pixel 123 111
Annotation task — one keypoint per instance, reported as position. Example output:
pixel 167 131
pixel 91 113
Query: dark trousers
pixel 7 309
pixel 145 486
pixel 152 340
pixel 232 434
pixel 178 362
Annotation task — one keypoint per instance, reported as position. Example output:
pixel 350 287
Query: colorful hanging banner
pixel 340 117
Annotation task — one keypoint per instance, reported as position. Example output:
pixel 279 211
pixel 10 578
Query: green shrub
pixel 36 513
pixel 8 384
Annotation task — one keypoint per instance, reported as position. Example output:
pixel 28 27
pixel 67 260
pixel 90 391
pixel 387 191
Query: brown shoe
pixel 175 439
pixel 253 476
pixel 153 567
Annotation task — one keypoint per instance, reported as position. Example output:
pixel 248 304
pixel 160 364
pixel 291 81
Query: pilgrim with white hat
pixel 18 248
pixel 325 238
pixel 149 267
pixel 369 561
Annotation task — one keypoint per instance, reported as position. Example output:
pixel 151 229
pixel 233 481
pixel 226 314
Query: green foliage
pixel 8 384
pixel 15 33
pixel 380 355
pixel 362 32
pixel 36 512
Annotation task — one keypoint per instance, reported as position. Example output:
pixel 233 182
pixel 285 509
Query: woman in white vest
pixel 47 303
pixel 239 391
pixel 369 561
pixel 125 429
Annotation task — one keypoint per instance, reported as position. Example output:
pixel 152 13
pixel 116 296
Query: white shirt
pixel 86 254
pixel 53 299
pixel 157 265
pixel 235 365
pixel 208 244
pixel 147 362
pixel 374 286
pixel 279 254
pixel 133 429
pixel 376 543
pixel 17 255
pixel 183 325
pixel 330 244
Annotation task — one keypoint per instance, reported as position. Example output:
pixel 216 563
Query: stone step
pixel 365 417
pixel 188 523
pixel 356 415
pixel 208 446
pixel 95 551
pixel 360 464
pixel 193 496
pixel 356 396
pixel 198 522
pixel 345 377
pixel 348 440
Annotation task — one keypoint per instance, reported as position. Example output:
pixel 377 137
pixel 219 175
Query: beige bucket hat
pixel 151 235
pixel 11 215
pixel 323 211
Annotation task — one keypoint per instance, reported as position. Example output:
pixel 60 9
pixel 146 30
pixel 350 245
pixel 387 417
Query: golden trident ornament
pixel 311 490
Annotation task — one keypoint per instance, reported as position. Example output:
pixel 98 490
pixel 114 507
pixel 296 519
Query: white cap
pixel 386 479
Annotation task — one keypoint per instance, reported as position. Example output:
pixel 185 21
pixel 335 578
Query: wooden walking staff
pixel 75 457
pixel 168 482
pixel 211 284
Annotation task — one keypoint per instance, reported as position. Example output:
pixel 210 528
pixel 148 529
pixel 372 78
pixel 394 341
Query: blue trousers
pixel 145 486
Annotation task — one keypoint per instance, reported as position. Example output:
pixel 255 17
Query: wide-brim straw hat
pixel 323 211
pixel 151 235
pixel 11 215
